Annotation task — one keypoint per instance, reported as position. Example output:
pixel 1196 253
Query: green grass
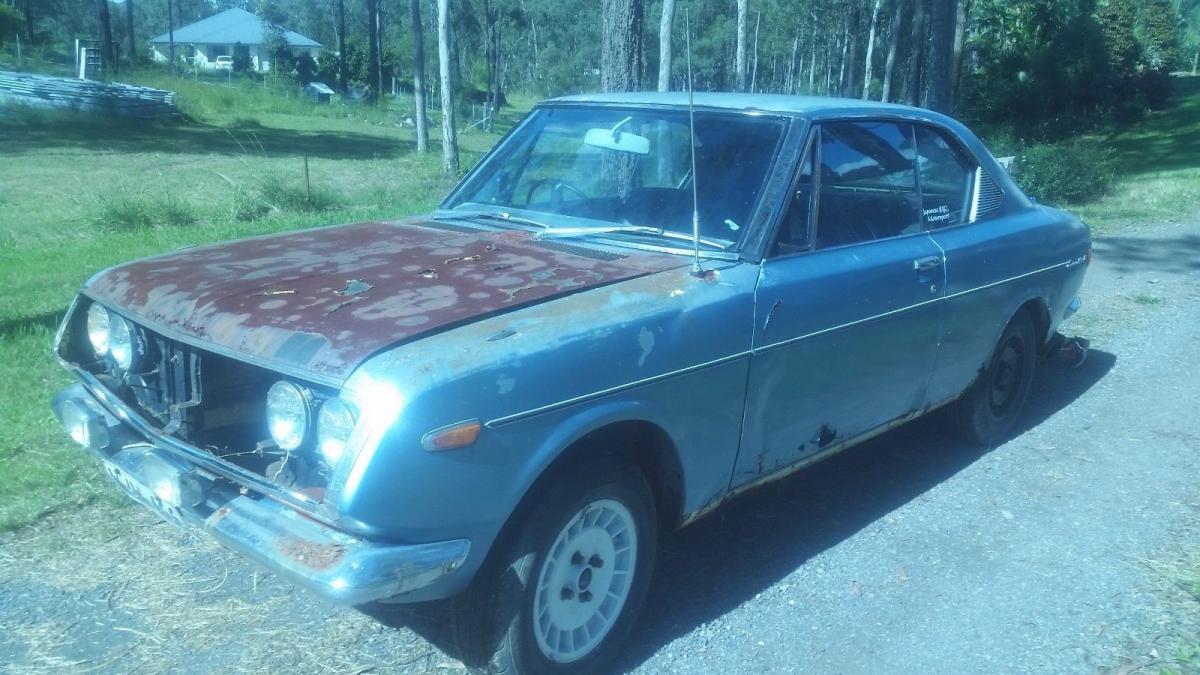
pixel 1157 177
pixel 81 193
pixel 1180 574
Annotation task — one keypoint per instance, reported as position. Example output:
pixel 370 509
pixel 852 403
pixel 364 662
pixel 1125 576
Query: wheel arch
pixel 636 441
pixel 1038 310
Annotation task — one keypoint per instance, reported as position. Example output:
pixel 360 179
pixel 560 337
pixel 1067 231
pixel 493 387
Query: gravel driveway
pixel 912 553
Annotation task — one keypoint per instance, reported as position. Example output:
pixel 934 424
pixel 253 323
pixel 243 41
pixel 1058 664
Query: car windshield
pixel 625 173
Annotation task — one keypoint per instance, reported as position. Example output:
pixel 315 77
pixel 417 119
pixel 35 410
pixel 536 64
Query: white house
pixel 202 42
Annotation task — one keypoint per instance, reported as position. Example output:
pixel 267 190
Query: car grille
pixel 168 388
pixel 210 401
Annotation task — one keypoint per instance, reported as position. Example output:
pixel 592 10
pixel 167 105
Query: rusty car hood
pixel 320 302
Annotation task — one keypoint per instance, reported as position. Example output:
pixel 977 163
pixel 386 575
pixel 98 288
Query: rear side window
pixel 947 179
pixel 868 187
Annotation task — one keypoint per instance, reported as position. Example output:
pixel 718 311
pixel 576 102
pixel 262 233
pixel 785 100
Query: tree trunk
pixel 849 86
pixel 829 52
pixel 28 10
pixel 845 47
pixel 917 56
pixel 870 60
pixel 491 19
pixel 343 75
pixel 941 56
pixel 960 38
pixel 621 45
pixel 743 7
pixel 498 76
pixel 379 48
pixel 449 133
pixel 171 33
pixel 129 30
pixel 374 76
pixel 889 68
pixel 107 54
pixel 754 68
pixel 419 77
pixel 791 71
pixel 812 61
pixel 664 45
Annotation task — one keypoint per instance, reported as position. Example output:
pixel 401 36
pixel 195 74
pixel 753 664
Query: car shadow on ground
pixel 743 548
pixel 1171 255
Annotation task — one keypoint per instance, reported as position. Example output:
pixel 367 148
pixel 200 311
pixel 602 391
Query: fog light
pixel 85 427
pixel 168 491
pixel 174 486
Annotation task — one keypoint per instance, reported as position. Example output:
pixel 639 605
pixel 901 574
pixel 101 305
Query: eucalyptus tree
pixel 107 53
pixel 665 26
pixel 340 27
pixel 743 9
pixel 445 53
pixel 418 39
pixel 621 55
pixel 916 57
pixel 889 67
pixel 129 33
pixel 941 53
pixel 869 61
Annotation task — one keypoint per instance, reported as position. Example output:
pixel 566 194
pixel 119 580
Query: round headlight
pixel 121 343
pixel 334 426
pixel 98 325
pixel 288 414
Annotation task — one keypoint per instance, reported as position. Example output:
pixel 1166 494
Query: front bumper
pixel 335 565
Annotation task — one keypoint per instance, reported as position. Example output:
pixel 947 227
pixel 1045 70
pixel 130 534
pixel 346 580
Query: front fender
pixel 670 349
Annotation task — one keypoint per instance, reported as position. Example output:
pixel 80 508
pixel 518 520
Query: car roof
pixel 774 103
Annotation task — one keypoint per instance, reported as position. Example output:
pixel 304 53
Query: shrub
pixel 295 197
pixel 1073 172
pixel 128 211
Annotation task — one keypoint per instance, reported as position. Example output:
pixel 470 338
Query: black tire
pixel 989 411
pixel 493 620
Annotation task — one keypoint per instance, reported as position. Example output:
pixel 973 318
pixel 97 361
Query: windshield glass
pixel 621 167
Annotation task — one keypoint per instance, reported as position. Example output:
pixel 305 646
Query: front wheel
pixel 990 409
pixel 565 594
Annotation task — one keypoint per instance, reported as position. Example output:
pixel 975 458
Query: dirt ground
pixel 911 553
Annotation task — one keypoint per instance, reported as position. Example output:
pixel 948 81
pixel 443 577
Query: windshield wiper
pixel 490 215
pixel 630 229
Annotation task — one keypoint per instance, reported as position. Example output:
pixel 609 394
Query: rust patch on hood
pixel 283 299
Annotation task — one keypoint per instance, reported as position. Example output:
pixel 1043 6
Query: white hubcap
pixel 585 580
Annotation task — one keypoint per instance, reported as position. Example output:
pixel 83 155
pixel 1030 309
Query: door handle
pixel 926 264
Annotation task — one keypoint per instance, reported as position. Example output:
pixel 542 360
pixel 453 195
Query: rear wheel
pixel 564 595
pixel 990 409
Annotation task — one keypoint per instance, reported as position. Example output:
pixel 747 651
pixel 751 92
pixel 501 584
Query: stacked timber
pixel 107 98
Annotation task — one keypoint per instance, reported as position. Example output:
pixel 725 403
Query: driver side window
pixel 858 183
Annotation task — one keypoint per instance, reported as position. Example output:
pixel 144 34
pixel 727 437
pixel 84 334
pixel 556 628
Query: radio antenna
pixel 687 29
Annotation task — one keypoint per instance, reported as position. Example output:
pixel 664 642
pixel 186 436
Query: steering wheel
pixel 557 189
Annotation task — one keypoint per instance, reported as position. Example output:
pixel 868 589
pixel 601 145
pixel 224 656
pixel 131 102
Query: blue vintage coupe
pixel 619 319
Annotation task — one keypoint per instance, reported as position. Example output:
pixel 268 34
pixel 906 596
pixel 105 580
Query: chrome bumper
pixel 335 565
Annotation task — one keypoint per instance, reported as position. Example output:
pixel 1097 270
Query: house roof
pixel 231 27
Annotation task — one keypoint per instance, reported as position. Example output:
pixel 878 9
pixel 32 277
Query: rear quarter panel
pixel 995 266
